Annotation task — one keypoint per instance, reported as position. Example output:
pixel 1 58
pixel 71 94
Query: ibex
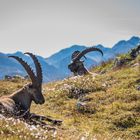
pixel 19 102
pixel 77 66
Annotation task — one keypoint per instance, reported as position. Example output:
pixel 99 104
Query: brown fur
pixel 20 100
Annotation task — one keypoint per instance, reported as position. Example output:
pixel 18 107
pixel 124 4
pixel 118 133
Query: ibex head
pixel 34 88
pixel 77 55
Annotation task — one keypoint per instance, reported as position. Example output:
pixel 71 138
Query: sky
pixel 47 26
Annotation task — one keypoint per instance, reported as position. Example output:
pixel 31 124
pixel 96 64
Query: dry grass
pixel 112 109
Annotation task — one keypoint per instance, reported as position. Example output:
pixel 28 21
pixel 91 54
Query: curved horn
pixel 86 51
pixel 27 68
pixel 37 65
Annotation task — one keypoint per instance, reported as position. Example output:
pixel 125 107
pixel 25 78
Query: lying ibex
pixel 77 66
pixel 19 102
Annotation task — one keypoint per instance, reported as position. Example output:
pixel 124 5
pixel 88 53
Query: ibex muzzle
pixel 37 95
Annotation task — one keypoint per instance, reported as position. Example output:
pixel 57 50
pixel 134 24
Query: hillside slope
pixel 109 107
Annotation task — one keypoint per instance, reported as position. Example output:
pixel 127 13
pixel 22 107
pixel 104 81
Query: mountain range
pixel 55 66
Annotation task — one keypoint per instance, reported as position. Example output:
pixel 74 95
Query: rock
pixel 121 61
pixel 83 106
pixel 138 88
pixel 77 92
pixel 136 65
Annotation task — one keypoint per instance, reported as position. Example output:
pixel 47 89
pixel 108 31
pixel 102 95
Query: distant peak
pixel 134 38
pixel 18 53
pixel 100 46
pixel 77 46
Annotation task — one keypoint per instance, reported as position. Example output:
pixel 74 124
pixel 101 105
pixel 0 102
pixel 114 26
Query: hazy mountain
pixel 62 58
pixel 124 46
pixel 50 73
pixel 56 66
pixel 9 66
pixel 62 54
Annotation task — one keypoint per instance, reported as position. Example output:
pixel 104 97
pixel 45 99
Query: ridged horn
pixel 38 67
pixel 26 67
pixel 81 54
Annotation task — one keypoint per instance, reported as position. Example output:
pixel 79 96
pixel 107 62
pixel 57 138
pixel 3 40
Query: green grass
pixel 112 109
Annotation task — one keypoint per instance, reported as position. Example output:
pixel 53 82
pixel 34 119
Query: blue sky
pixel 46 26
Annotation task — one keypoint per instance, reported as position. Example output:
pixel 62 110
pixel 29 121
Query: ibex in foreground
pixel 77 66
pixel 18 103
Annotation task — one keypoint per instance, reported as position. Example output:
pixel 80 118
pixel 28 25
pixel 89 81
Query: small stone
pixel 138 88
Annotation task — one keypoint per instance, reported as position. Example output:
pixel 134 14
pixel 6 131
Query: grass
pixel 111 106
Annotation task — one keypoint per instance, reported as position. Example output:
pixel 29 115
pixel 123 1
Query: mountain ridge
pixel 55 66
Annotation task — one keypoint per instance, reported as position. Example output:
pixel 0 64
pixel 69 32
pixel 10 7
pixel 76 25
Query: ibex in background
pixel 77 66
pixel 18 103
